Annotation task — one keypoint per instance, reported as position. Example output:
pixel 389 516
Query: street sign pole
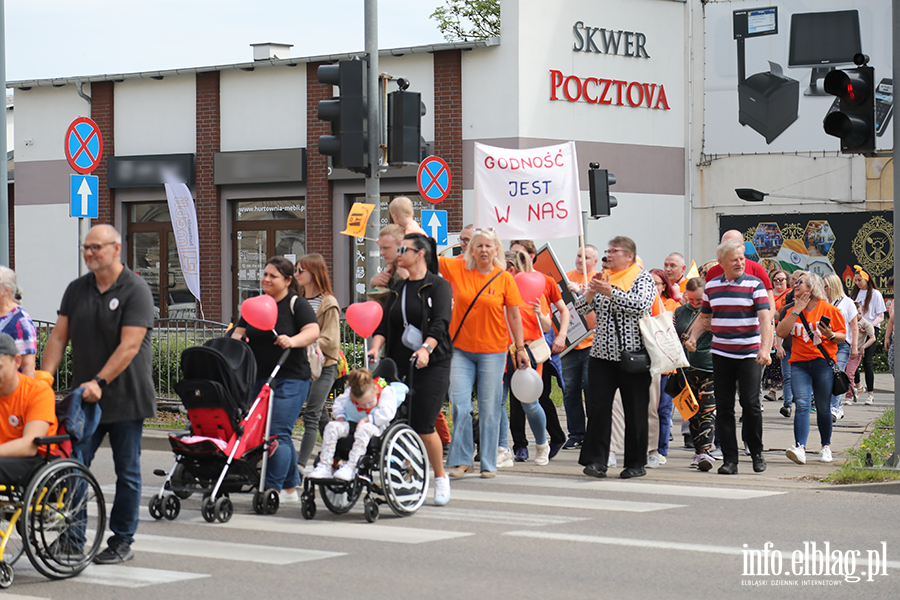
pixel 373 187
pixel 894 460
pixel 4 177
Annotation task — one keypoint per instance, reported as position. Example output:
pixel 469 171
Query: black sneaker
pixel 595 470
pixel 631 472
pixel 759 463
pixel 117 552
pixel 786 411
pixel 729 468
pixel 572 443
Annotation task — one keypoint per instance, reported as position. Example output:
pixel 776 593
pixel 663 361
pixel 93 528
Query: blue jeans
pixel 812 378
pixel 125 442
pixel 841 358
pixel 286 402
pixel 465 368
pixel 787 392
pixel 664 410
pixel 575 376
pixel 534 412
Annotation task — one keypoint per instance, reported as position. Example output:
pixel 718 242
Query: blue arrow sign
pixel 434 222
pixel 83 191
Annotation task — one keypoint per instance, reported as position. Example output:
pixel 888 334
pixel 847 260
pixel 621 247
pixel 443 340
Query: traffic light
pixel 348 144
pixel 854 121
pixel 405 112
pixel 601 202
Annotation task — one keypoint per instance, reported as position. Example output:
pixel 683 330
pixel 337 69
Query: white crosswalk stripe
pixel 562 501
pixel 195 548
pixel 496 517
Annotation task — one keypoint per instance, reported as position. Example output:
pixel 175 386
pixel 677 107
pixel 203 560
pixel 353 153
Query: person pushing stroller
pixel 368 402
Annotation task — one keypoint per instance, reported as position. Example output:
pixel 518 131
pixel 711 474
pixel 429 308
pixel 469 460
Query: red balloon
pixel 531 286
pixel 364 317
pixel 260 311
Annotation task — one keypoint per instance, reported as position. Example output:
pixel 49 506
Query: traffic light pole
pixel 894 460
pixel 373 187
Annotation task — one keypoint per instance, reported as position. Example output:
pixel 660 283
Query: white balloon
pixel 526 385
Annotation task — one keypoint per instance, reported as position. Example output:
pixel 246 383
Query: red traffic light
pixel 850 86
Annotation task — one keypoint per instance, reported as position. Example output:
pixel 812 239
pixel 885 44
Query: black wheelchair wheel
pixel 403 468
pixel 308 509
pixel 6 575
pixel 14 545
pixel 340 498
pixel 65 520
pixel 371 510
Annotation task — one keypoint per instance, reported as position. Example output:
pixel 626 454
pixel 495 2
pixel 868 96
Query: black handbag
pixel 632 362
pixel 841 382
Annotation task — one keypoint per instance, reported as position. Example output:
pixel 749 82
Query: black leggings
pixel 868 355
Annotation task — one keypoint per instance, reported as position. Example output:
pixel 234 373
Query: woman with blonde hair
pixel 315 286
pixel 481 290
pixel 846 350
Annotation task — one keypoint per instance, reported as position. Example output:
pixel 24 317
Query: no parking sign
pixel 433 179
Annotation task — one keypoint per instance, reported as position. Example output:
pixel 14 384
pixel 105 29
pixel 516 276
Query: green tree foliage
pixel 468 20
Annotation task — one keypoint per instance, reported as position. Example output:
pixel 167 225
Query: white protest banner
pixel 184 226
pixel 531 193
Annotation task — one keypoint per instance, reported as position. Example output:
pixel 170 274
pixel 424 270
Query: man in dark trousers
pixel 108 315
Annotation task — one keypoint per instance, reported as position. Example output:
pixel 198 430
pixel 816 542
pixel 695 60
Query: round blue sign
pixel 434 180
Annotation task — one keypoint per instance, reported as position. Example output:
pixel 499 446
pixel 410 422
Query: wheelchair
pixel 58 518
pixel 393 471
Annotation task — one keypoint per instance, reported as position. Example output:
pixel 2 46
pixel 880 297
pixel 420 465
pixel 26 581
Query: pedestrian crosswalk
pixel 511 505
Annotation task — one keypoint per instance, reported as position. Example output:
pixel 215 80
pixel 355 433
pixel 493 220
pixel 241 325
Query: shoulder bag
pixel 841 381
pixel 662 343
pixel 632 362
pixel 412 335
pixel 314 354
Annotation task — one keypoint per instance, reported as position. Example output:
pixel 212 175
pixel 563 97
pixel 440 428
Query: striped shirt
pixel 734 306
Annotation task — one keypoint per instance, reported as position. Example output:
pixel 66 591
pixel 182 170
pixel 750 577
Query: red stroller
pixel 227 447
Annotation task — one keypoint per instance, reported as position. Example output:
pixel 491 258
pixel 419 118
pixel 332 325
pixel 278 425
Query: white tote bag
pixel 662 343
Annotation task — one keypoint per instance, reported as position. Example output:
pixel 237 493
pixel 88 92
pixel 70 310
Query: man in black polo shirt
pixel 108 315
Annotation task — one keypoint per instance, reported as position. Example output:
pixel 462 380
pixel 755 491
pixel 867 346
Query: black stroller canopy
pixel 228 362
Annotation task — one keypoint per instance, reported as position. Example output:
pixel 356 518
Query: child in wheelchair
pixel 366 408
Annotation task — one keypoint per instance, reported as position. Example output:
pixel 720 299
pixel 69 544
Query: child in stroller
pixel 371 405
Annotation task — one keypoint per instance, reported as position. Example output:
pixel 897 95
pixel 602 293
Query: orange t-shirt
pixel 32 401
pixel 803 348
pixel 578 279
pixel 484 330
pixel 671 304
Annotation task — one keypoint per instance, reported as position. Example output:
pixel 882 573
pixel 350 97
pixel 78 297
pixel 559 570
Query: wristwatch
pixel 100 381
pixel 795 313
pixel 428 348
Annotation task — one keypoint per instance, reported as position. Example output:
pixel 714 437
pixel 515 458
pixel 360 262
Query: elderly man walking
pixel 736 310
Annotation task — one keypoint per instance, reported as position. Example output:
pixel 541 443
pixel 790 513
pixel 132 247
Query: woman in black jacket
pixel 426 300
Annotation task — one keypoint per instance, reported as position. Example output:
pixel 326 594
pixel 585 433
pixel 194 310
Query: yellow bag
pixel 686 402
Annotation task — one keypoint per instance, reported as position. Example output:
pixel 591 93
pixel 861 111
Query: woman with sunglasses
pixel 315 286
pixel 773 372
pixel 482 289
pixel 865 291
pixel 414 329
pixel 811 374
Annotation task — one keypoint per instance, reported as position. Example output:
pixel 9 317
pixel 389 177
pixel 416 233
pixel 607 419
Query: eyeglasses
pixel 402 250
pixel 93 248
pixel 614 250
pixel 780 279
pixel 799 282
pixel 465 240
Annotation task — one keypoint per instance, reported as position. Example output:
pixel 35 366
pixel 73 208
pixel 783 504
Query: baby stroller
pixel 227 446
pixel 395 468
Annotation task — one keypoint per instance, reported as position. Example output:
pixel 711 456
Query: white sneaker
pixel 837 413
pixel 441 490
pixel 870 400
pixel 345 472
pixel 542 456
pixel 504 458
pixel 288 498
pixel 662 459
pixel 797 454
pixel 322 471
pixel 611 461
pixel 653 460
pixel 825 455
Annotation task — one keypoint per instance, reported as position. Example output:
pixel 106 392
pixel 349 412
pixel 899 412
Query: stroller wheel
pixel 259 503
pixel 308 509
pixel 171 507
pixel 271 502
pixel 156 507
pixel 223 509
pixel 207 509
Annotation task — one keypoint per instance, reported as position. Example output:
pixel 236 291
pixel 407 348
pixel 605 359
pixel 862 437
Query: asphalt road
pixel 525 534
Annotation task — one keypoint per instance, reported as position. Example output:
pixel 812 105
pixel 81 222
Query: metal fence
pixel 169 338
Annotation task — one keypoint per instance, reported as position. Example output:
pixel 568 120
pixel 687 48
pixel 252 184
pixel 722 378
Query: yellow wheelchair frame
pixel 61 503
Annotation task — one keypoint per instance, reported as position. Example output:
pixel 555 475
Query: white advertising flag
pixel 531 193
pixel 184 225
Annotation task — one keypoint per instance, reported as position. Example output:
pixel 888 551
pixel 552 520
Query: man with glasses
pixel 465 236
pixel 108 315
pixel 736 310
pixel 674 269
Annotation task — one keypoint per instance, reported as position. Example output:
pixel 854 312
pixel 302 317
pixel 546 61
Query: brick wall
pixel 448 128
pixel 103 114
pixel 206 195
pixel 320 231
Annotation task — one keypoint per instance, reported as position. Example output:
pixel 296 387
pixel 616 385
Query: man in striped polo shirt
pixel 736 309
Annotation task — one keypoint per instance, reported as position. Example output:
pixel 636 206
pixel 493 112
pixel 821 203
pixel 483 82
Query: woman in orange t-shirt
pixel 811 374
pixel 481 291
